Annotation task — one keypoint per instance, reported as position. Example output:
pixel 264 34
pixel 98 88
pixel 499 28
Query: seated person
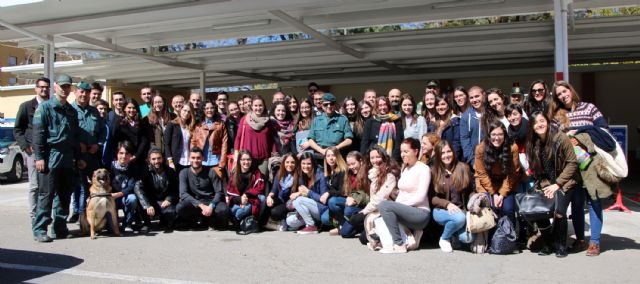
pixel 278 198
pixel 124 176
pixel 202 200
pixel 246 189
pixel 158 191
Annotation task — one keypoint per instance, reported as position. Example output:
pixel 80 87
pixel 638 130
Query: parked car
pixel 12 158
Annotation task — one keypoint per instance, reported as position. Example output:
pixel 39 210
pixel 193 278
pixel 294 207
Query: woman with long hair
pixel 570 113
pixel 384 130
pixel 308 187
pixel 335 174
pixel 461 99
pixel 292 105
pixel 411 207
pixel 413 125
pixel 554 168
pixel 135 130
pixel 428 109
pixel 158 119
pixel 448 124
pixel 364 113
pixel 302 126
pixel 494 104
pixel 246 189
pixel 497 168
pixel 278 197
pixel 211 136
pixel 538 99
pixel 427 144
pixel 284 123
pixel 449 195
pixel 177 138
pixel 257 134
pixel 356 190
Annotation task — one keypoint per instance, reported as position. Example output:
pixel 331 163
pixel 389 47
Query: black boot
pixel 560 236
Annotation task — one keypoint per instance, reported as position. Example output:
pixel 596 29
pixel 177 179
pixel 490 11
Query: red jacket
pixel 255 188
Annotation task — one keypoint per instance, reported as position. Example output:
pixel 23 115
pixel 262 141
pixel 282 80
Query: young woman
pixel 363 114
pixel 257 134
pixel 335 172
pixel 413 125
pixel 384 130
pixel 568 112
pixel 448 124
pixel 411 207
pixel 349 109
pixel 554 167
pixel 449 195
pixel 461 99
pixel 282 186
pixel 517 130
pixel 309 186
pixel 177 139
pixel 303 124
pixel 292 105
pixel 283 122
pixel 135 130
pixel 233 118
pixel 211 136
pixel 158 118
pixel 494 105
pixel 356 190
pixel 428 110
pixel 497 168
pixel 538 99
pixel 383 177
pixel 246 189
pixel 427 144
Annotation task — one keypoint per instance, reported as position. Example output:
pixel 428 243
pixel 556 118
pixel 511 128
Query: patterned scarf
pixel 387 131
pixel 285 131
pixel 255 122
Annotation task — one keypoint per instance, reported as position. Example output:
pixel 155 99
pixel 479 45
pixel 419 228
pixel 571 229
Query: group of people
pixel 376 167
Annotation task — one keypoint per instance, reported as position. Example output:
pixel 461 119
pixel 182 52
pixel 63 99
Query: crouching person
pixel 201 198
pixel 158 191
pixel 450 190
pixel 246 192
pixel 124 176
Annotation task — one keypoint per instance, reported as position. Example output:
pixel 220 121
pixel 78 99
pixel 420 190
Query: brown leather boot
pixel 593 250
pixel 578 246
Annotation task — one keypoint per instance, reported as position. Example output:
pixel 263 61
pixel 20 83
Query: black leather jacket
pixel 156 187
pixel 232 129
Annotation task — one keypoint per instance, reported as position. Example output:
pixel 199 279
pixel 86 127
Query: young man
pixel 222 100
pixel 23 132
pixel 92 137
pixel 516 96
pixel 113 118
pixel 96 94
pixel 158 191
pixel 330 128
pixel 196 101
pixel 202 201
pixel 124 176
pixel 278 97
pixel 246 104
pixel 145 97
pixel 57 153
pixel 470 132
pixel 317 102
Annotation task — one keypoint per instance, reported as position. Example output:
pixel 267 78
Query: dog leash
pixel 99 195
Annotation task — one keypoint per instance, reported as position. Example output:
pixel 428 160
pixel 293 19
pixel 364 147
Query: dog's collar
pixel 99 195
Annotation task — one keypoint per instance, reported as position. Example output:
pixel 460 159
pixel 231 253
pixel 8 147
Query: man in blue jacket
pixel 470 132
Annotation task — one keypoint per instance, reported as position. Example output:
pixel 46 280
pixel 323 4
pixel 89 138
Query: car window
pixel 6 135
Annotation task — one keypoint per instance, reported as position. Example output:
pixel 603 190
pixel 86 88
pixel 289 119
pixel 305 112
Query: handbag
pixel 481 221
pixel 534 206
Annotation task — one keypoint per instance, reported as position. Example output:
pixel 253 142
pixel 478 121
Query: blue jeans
pixel 239 213
pixel 454 225
pixel 577 211
pixel 347 230
pixel 595 219
pixel 128 204
pixel 79 195
pixel 509 207
pixel 336 209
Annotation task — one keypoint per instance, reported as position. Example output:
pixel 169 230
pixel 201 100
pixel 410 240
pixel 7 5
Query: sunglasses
pixel 328 104
pixel 537 90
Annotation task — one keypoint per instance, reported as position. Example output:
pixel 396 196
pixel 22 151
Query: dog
pixel 100 204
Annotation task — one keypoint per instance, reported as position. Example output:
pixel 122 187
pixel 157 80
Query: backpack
pixel 247 226
pixel 504 238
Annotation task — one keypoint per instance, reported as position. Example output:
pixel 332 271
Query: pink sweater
pixel 413 186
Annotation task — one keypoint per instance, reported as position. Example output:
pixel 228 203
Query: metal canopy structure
pixel 123 28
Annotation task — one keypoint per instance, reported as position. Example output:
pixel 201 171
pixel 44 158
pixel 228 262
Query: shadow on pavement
pixel 610 242
pixel 18 266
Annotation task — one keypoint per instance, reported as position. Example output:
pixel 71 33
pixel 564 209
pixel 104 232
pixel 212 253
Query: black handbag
pixel 534 206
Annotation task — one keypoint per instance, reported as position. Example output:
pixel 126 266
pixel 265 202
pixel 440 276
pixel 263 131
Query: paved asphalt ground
pixel 224 257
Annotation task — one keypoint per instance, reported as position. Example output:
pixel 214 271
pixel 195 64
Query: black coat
pixel 138 136
pixel 24 123
pixel 371 132
pixel 232 130
pixel 173 142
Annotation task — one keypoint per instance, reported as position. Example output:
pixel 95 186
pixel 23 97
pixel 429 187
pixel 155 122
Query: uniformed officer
pixel 330 128
pixel 57 152
pixel 91 138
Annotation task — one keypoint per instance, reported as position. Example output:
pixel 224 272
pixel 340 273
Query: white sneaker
pixel 445 245
pixel 283 226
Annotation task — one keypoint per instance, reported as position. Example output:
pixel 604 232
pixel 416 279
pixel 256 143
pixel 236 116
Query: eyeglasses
pixel 537 91
pixel 328 104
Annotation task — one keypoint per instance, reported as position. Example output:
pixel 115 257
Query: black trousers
pixel 555 235
pixel 167 215
pixel 54 194
pixel 191 214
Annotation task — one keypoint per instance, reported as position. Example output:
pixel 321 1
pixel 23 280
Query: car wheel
pixel 17 170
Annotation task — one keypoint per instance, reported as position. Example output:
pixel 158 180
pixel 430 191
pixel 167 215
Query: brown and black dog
pixel 100 204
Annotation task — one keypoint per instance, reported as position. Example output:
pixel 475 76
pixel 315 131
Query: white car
pixel 12 159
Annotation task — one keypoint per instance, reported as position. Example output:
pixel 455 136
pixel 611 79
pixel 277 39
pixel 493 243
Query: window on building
pixel 13 61
pixel 13 81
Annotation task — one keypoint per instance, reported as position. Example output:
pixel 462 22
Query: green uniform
pixel 92 132
pixel 330 131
